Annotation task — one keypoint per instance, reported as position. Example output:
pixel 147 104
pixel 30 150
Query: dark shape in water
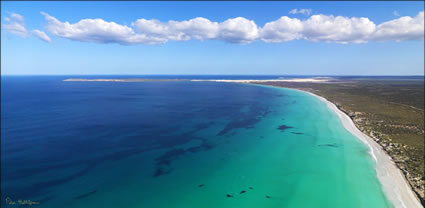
pixel 328 145
pixel 229 195
pixel 160 171
pixel 245 120
pixel 242 192
pixel 202 147
pixel 201 185
pixel 265 113
pixel 284 127
pixel 251 188
pixel 297 133
pixel 268 197
pixel 85 195
pixel 164 161
pixel 39 188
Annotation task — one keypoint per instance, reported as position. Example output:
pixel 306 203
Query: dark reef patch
pixel 162 171
pixel 328 145
pixel 245 120
pixel 163 162
pixel 297 133
pixel 284 127
pixel 203 147
pixel 266 112
pixel 85 195
pixel 239 123
pixel 170 155
pixel 40 187
pixel 242 192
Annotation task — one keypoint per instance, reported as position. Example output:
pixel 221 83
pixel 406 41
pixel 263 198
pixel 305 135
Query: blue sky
pixel 314 41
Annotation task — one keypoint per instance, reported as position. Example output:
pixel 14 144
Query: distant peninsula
pixel 314 79
pixel 121 80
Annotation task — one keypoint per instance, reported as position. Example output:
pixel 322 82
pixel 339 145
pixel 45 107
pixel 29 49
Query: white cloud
pixel 343 29
pixel 15 24
pixel 97 30
pixel 197 28
pixel 337 29
pixel 403 28
pixel 395 13
pixel 42 35
pixel 238 30
pixel 319 28
pixel 316 28
pixel 306 12
pixel 282 30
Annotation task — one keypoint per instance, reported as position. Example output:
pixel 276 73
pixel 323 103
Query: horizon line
pixel 322 75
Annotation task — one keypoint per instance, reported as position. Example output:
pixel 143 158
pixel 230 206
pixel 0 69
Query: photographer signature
pixel 9 201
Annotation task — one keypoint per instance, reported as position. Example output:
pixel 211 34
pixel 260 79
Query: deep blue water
pixel 49 125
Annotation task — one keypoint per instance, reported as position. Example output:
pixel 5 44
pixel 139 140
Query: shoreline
pixel 393 182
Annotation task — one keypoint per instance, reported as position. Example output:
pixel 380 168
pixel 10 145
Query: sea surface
pixel 177 145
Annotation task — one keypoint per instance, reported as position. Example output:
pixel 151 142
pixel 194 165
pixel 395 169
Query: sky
pixel 239 38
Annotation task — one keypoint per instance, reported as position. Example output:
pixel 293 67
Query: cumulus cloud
pixel 42 35
pixel 282 30
pixel 316 28
pixel 319 28
pixel 97 30
pixel 15 24
pixel 197 28
pixel 341 29
pixel 403 28
pixel 337 29
pixel 237 30
pixel 306 12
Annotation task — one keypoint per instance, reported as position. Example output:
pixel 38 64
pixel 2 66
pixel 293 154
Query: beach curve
pixel 393 182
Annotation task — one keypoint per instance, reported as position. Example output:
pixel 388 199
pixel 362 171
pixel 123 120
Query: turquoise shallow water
pixel 261 146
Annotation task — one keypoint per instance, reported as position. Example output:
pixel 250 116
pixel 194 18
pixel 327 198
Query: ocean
pixel 177 144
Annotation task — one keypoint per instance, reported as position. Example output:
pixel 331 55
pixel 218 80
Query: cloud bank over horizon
pixel 239 30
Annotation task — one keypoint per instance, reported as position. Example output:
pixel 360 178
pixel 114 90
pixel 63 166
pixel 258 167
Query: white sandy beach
pixel 393 182
pixel 314 79
pixel 319 79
